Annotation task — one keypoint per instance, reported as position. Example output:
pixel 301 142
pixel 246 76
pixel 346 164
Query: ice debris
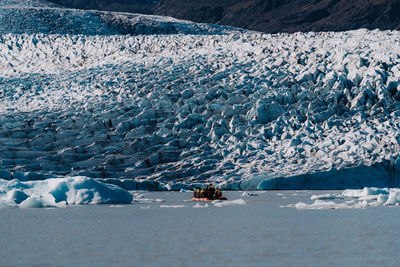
pixel 249 194
pixel 353 199
pixel 173 206
pixel 319 204
pixel 226 203
pixel 198 205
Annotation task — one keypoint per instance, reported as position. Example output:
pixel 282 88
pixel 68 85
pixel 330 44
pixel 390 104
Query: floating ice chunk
pixel 355 193
pixel 84 190
pixel 61 192
pixel 323 205
pixel 6 202
pixel 198 205
pixel 393 198
pixel 32 202
pixel 225 203
pixel 173 206
pixel 6 186
pixel 369 196
pixel 148 200
pixel 185 190
pixel 326 196
pixel 367 191
pixel 248 194
pixel 138 195
pixel 381 199
pixel 17 196
pixel 41 201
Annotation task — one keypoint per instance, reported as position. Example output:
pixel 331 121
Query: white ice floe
pixel 60 192
pixel 148 200
pixel 179 104
pixel 173 206
pixel 198 205
pixel 185 190
pixel 353 199
pixel 325 196
pixel 320 204
pixel 226 203
pixel 249 194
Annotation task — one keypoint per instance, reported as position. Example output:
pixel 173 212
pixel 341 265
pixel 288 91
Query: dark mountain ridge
pixel 289 15
pixel 269 16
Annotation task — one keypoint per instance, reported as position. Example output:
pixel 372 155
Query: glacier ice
pixel 43 17
pixel 171 110
pixel 60 192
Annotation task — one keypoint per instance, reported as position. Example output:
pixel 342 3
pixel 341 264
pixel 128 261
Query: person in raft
pixel 209 192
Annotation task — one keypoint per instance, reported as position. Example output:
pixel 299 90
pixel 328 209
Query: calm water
pixel 257 234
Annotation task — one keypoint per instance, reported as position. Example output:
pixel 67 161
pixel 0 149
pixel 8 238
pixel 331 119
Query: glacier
pixel 155 103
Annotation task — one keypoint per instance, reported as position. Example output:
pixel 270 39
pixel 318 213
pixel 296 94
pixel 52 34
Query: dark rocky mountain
pixel 265 15
pixel 288 15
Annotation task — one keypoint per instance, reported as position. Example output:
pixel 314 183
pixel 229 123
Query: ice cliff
pixel 198 104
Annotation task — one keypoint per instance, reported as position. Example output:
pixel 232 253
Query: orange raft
pixel 207 199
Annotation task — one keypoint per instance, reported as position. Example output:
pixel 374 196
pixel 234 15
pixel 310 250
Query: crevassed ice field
pixel 97 103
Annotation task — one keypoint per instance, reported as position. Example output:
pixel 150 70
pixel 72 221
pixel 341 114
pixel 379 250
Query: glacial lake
pixel 173 233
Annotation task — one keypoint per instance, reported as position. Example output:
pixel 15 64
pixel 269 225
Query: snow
pixel 172 105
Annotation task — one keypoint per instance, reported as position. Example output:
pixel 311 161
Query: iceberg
pixel 59 192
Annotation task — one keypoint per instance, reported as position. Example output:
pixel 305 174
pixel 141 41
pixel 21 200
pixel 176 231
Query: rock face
pixel 289 15
pixel 268 16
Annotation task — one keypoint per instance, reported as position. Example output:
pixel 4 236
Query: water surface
pixel 173 233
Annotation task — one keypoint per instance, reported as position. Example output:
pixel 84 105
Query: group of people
pixel 209 192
